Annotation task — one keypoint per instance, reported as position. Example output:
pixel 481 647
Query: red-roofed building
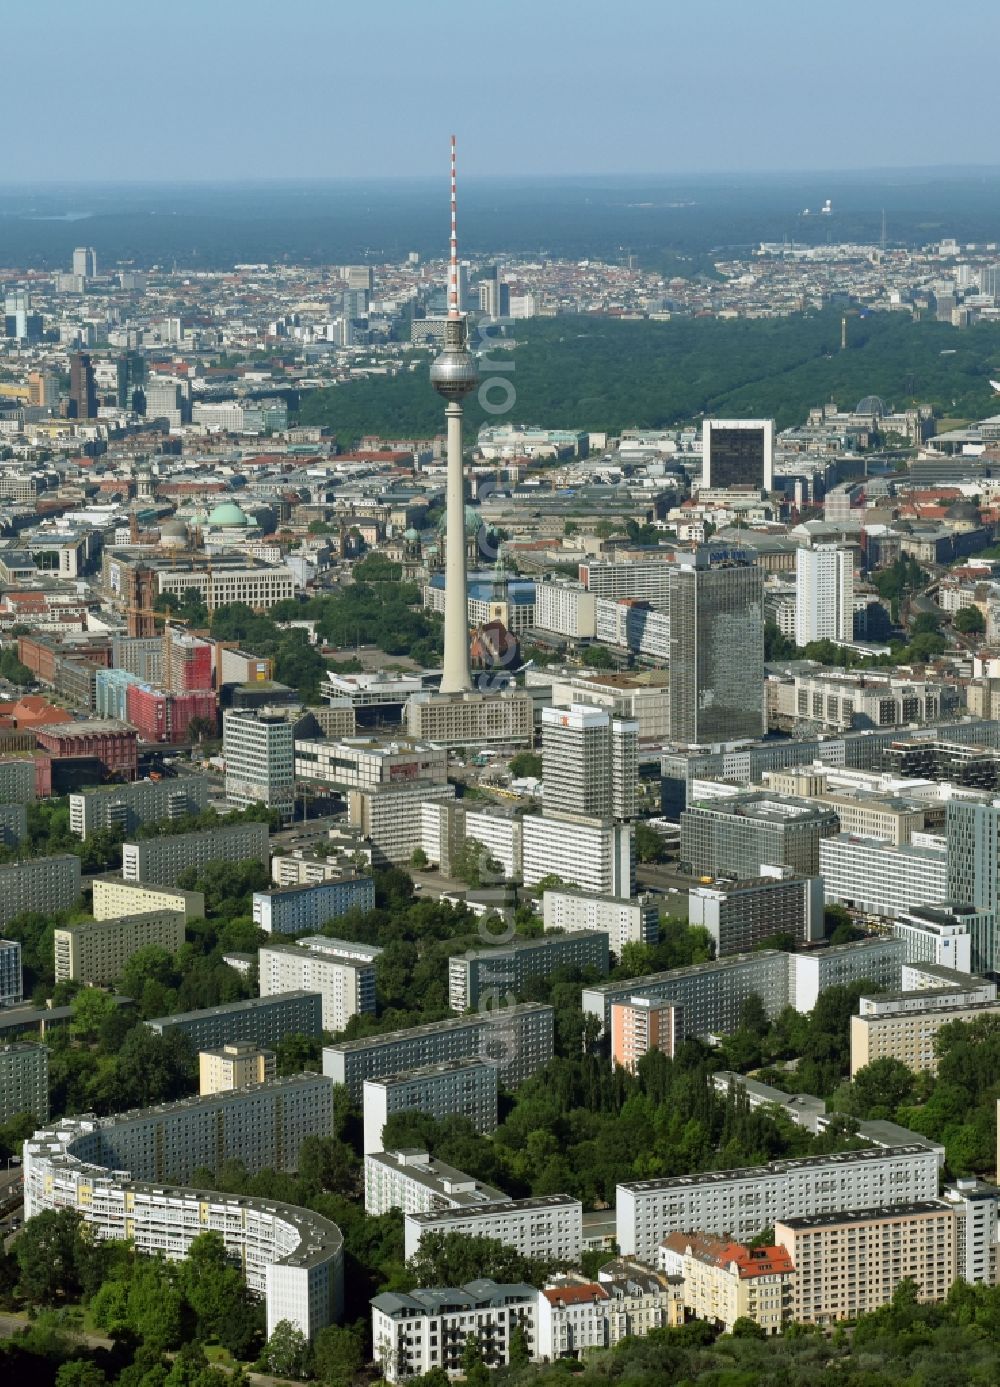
pixel 725 1281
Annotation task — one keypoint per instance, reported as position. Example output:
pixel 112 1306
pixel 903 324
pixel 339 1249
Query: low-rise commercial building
pixel 740 1203
pixel 342 973
pixel 471 719
pixel 550 1227
pixel 945 934
pixel 96 951
pixel 505 971
pixel 362 763
pixel 460 1088
pixel 262 1020
pixel 518 1040
pixel 418 1183
pixel 292 909
pixel 160 861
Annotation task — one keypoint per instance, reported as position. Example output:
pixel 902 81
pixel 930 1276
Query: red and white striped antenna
pixel 453 268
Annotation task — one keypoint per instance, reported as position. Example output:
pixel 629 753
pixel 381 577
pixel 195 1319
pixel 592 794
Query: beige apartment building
pixel 114 897
pixel 96 951
pixel 908 1036
pixel 725 1281
pixel 234 1066
pixel 849 1264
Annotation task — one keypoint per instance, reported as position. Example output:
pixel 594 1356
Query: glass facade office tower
pixel 737 453
pixel 716 609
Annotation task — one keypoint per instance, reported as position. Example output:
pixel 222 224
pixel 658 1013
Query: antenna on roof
pixel 453 266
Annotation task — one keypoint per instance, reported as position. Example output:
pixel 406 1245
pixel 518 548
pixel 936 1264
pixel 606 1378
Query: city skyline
pixel 686 70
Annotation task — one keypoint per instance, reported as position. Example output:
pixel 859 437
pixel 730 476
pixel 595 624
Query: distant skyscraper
pixel 589 762
pixel 82 393
pixel 85 262
pixel 824 594
pixel 454 375
pixel 361 277
pixel 715 604
pixel 738 453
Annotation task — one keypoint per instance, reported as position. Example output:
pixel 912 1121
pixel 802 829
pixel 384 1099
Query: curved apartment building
pixel 291 1256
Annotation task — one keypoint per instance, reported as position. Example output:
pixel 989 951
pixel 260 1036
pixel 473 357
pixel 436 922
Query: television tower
pixel 454 375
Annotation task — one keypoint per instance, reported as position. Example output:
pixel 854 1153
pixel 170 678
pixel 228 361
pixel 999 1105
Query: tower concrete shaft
pixel 457 676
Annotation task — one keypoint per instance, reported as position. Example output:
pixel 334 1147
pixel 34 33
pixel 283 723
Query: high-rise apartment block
pixel 234 1066
pixel 454 1088
pixel 342 973
pixel 43 884
pixel 144 801
pixel 739 915
pixel 418 1183
pixel 824 594
pixel 644 1023
pixel 716 610
pixel 625 920
pixel 125 1176
pixel 590 854
pixel 113 897
pixel 24 1081
pixel 292 909
pixel 160 861
pixel 264 1020
pixel 550 1227
pixel 972 831
pixel 711 994
pixel 259 752
pixel 11 973
pixel 590 762
pixel 519 1040
pixel 503 972
pixel 907 1035
pixel 741 1203
pixel 95 952
pixel 737 454
pixel 878 1247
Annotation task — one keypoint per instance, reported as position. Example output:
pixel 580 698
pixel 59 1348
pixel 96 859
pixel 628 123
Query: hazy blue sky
pixel 225 89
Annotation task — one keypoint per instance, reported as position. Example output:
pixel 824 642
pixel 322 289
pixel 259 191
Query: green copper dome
pixel 227 516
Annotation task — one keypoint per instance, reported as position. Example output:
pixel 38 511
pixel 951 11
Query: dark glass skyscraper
pixel 715 601
pixel 82 392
